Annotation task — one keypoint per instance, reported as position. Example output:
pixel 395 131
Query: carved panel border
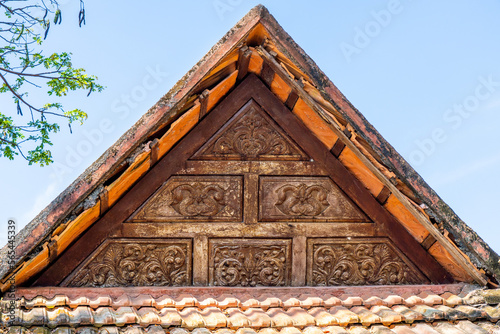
pixel 296 198
pixel 136 262
pixel 250 262
pixel 358 261
pixel 194 198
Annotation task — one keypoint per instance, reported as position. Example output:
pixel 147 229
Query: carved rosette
pixel 194 198
pixel 362 262
pixel 251 136
pixel 136 263
pixel 250 263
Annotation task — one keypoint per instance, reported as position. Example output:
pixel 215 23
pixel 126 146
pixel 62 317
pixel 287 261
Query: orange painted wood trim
pixel 178 129
pixel 280 88
pixel 350 160
pixel 315 123
pixel 137 169
pixel 398 210
pixel 221 89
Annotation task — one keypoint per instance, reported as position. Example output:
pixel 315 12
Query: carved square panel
pixel 284 198
pixel 250 262
pixel 135 262
pixel 358 261
pixel 194 198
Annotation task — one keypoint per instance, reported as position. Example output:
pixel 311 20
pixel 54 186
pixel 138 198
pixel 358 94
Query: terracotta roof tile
pixel 148 315
pixel 425 329
pixel 334 330
pixel 170 317
pixel 366 317
pixel 191 318
pixel 262 314
pixel 409 315
pixel 429 313
pixel 469 327
pixel 344 316
pixel 387 315
pixel 280 318
pixel 300 317
pixel 381 330
pixel 323 317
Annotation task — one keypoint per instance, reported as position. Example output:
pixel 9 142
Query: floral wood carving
pixel 194 198
pixel 294 198
pixel 302 200
pixel 251 136
pixel 136 263
pixel 250 263
pixel 362 262
pixel 198 199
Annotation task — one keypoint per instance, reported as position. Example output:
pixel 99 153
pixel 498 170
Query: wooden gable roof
pixel 255 61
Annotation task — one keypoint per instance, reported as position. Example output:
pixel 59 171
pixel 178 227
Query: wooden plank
pixel 231 167
pixel 383 196
pixel 299 261
pixel 451 248
pixel 349 184
pixel 337 148
pixel 243 61
pixel 251 203
pixel 291 100
pixel 267 74
pixel 428 242
pixel 109 224
pixel 155 151
pixel 242 230
pixel 204 103
pixel 200 260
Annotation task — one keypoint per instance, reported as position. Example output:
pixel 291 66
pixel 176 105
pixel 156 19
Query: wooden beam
pixel 452 249
pixel 383 196
pixel 243 60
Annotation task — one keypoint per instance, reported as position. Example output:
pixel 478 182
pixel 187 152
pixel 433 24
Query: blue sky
pixel 425 73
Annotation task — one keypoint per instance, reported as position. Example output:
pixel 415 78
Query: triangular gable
pixel 353 147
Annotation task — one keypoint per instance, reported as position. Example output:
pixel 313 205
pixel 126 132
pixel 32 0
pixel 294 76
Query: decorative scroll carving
pixel 302 200
pixel 250 263
pixel 194 198
pixel 250 136
pixel 136 263
pixel 305 198
pixel 198 199
pixel 359 262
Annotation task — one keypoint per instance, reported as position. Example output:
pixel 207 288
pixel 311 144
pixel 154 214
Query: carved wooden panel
pixel 305 198
pixel 250 135
pixel 360 261
pixel 136 262
pixel 208 198
pixel 250 262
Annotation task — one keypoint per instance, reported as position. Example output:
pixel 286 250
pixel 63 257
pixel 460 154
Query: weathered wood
pixel 242 230
pixel 243 60
pixel 267 73
pixel 251 204
pixel 428 242
pixel 383 196
pixel 349 184
pixel 200 260
pixel 299 258
pixel 256 167
pixel 109 224
pixel 204 103
pixel 155 151
pixel 337 148
pixel 291 100
pixel 452 249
